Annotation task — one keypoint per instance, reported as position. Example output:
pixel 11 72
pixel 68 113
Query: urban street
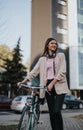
pixel 71 118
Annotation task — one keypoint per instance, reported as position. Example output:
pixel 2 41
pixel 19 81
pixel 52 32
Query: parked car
pixel 70 101
pixel 18 103
pixel 5 102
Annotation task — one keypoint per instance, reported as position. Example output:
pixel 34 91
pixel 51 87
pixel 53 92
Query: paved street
pixel 70 123
pixel 8 118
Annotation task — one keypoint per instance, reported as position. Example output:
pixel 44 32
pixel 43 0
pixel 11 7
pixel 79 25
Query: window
pixel 62 2
pixel 18 99
pixel 81 4
pixel 62 16
pixel 61 31
pixel 63 45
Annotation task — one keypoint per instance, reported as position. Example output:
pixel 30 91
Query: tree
pixel 5 53
pixel 14 70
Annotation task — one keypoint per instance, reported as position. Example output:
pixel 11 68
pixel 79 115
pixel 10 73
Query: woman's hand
pixel 50 86
pixel 24 81
pixel 18 84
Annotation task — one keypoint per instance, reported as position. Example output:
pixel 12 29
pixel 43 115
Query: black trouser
pixel 55 102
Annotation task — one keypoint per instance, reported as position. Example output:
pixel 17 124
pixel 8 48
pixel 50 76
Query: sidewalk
pixel 70 123
pixel 69 120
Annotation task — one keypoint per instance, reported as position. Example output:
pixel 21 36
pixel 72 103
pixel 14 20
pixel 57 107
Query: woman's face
pixel 52 46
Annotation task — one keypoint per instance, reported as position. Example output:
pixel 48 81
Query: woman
pixel 52 70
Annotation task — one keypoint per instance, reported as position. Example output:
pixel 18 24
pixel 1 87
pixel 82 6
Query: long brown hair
pixel 46 46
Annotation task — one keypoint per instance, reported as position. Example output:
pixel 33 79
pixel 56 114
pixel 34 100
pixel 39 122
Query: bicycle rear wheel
pixel 24 120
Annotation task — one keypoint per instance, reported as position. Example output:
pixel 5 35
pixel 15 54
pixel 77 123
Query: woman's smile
pixel 52 45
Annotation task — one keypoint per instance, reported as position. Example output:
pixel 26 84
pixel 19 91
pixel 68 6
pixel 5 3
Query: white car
pixel 18 103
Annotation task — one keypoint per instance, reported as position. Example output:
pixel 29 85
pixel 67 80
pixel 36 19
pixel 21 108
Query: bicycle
pixel 31 111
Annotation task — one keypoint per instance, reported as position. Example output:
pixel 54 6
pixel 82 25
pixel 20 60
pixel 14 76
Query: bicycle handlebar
pixel 30 86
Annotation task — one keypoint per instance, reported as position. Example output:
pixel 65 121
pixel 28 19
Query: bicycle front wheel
pixel 24 120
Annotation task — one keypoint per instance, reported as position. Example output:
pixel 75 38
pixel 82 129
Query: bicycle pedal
pixel 40 122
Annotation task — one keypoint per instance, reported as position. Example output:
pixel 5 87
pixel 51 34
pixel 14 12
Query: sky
pixel 15 22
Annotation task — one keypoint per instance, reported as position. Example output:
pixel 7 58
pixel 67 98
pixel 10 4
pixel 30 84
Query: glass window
pixel 80 65
pixel 62 16
pixel 80 17
pixel 80 40
pixel 63 46
pixel 61 31
pixel 72 97
pixel 62 2
pixel 5 99
pixel 81 4
pixel 80 12
pixel 18 99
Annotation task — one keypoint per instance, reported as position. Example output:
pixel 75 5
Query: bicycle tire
pixel 37 109
pixel 34 117
pixel 37 112
pixel 32 122
pixel 24 120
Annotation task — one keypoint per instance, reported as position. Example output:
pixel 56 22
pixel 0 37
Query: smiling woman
pixel 51 68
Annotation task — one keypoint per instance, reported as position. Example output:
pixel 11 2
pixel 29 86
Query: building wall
pixel 75 14
pixel 49 18
pixel 60 21
pixel 41 26
pixel 63 20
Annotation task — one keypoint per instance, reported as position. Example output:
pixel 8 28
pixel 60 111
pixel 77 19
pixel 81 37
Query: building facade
pixel 49 19
pixel 59 11
pixel 40 26
pixel 75 14
pixel 63 20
